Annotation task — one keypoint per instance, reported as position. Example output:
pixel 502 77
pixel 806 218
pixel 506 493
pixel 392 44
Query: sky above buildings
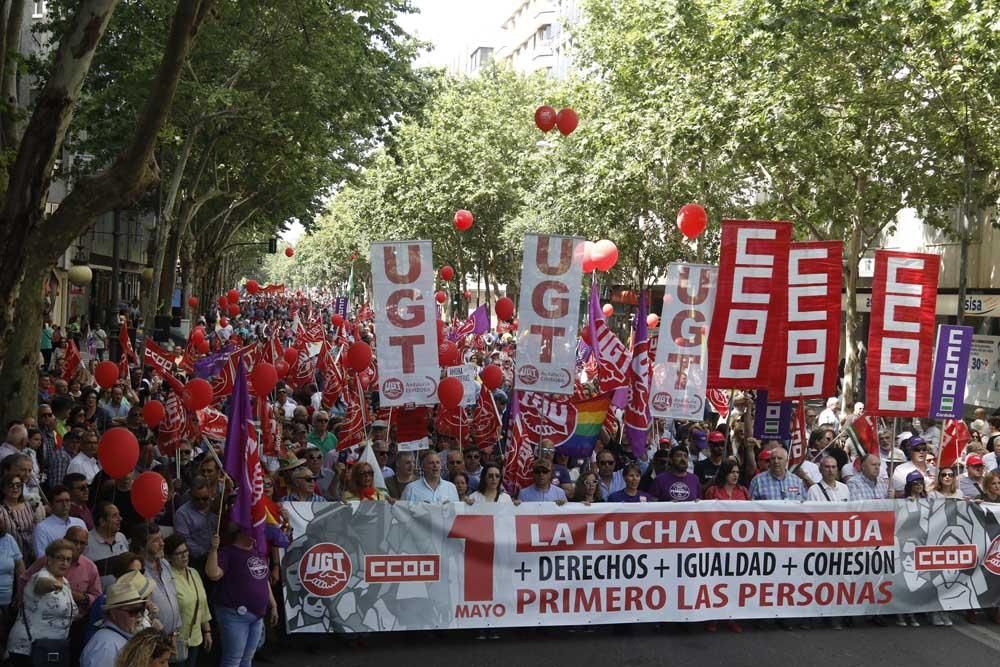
pixel 455 28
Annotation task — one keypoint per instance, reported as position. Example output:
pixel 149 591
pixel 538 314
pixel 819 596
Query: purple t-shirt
pixel 676 488
pixel 622 497
pixel 244 581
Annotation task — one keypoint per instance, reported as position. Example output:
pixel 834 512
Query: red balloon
pixel 253 286
pixel 337 320
pixel 359 356
pixel 442 329
pixel 608 310
pixel 149 494
pixel 281 368
pixel 263 377
pixel 289 252
pixel 545 118
pixel 291 355
pixel 234 309
pixel 492 377
pixel 197 394
pixel 233 296
pixel 223 322
pixel 605 254
pixel 653 320
pixel 223 302
pixel 193 301
pixel 567 120
pixel 447 273
pixel 153 413
pixel 202 347
pixel 440 296
pixel 504 308
pixel 448 354
pixel 589 265
pixel 692 220
pixel 106 374
pixel 450 392
pixel 467 294
pixel 463 220
pixel 118 451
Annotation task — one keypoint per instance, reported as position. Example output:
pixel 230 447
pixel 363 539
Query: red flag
pixel 172 428
pixel 213 423
pixel 303 371
pixel 333 375
pixel 901 334
pixel 71 362
pixel 411 422
pixel 186 363
pixel 352 429
pixel 162 362
pixel 613 358
pixel 222 385
pixel 485 426
pixel 750 306
pixel 126 343
pixel 954 437
pixel 270 442
pixel 719 401
pixel 863 432
pixel 519 456
pixel 800 442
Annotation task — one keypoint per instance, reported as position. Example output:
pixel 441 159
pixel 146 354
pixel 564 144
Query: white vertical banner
pixel 679 374
pixel 548 313
pixel 405 314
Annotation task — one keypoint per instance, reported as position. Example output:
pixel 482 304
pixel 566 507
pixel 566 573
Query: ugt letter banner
pixel 750 308
pixel 810 342
pixel 901 334
pixel 679 381
pixel 405 314
pixel 376 567
pixel 548 313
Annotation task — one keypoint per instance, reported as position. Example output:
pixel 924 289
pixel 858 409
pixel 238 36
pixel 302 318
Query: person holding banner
pixel 726 485
pixel 677 484
pixel 543 490
pixel 829 489
pixel 490 488
pixel 918 462
pixel 430 488
pixel 631 492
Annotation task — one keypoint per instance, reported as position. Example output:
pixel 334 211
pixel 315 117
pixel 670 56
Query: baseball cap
pixel 665 439
pixel 699 438
pixel 715 436
pixel 974 460
pixel 916 441
pixel 915 476
pixel 765 455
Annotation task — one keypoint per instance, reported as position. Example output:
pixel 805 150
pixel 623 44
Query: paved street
pixel 964 644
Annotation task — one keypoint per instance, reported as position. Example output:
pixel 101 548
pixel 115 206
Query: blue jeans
pixel 240 634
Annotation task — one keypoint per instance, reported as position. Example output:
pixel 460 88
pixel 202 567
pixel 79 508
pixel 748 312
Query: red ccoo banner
pixel 750 305
pixel 901 334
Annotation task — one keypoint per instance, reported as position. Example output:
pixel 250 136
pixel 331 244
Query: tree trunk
pixel 851 358
pixel 19 381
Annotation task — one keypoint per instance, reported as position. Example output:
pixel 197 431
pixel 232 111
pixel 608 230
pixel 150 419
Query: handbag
pixel 48 652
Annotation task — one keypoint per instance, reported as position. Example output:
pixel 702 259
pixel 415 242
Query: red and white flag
pixel 799 443
pixel 333 375
pixel 954 437
pixel 162 363
pixel 485 426
pixel 351 431
pixel 71 362
pixel 901 334
pixel 750 306
pixel 520 454
pixel 810 343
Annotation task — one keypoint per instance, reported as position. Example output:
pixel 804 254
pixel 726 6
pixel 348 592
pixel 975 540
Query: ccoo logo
pixel 325 569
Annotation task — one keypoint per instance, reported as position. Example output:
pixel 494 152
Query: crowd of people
pixel 85 578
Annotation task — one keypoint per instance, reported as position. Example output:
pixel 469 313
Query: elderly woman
pixel 320 435
pixel 47 610
pixel 195 630
pixel 360 484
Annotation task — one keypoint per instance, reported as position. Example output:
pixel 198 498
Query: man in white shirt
pixel 430 488
pixel 918 461
pixel 828 489
pixel 286 404
pixel 55 526
pixel 117 406
pixel 85 462
pixel 830 416
pixel 931 434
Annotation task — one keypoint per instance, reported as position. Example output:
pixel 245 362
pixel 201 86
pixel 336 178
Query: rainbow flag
pixel 590 414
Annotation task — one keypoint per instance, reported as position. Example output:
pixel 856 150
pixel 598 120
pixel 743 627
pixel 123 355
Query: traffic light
pixel 272 245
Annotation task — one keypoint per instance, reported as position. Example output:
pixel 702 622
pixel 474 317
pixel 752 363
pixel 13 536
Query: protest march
pixel 305 461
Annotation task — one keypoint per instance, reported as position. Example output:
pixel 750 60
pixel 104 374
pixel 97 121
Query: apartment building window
pixel 38 9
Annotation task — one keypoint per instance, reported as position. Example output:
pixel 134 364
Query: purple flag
pixel 637 417
pixel 211 365
pixel 242 462
pixel 595 314
pixel 772 421
pixel 951 368
pixel 477 324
